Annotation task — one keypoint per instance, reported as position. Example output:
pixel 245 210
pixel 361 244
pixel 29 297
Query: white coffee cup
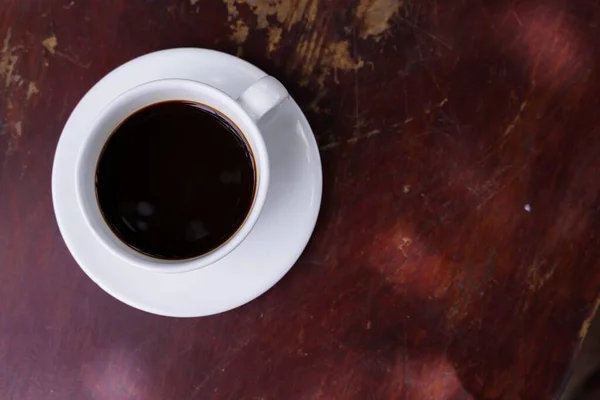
pixel 247 112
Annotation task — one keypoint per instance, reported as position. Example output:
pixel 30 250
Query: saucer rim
pixel 275 275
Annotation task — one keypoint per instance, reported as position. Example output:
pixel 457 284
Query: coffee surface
pixel 175 180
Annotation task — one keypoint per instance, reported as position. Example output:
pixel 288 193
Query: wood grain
pixel 456 252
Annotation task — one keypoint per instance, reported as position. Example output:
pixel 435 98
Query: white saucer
pixel 272 247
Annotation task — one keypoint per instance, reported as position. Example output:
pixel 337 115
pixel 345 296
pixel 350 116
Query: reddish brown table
pixel 456 254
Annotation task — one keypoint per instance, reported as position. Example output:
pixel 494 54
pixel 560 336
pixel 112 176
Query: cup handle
pixel 264 95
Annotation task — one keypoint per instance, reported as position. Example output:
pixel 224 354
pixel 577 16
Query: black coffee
pixel 175 180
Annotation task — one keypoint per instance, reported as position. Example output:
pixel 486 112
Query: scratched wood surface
pixel 456 254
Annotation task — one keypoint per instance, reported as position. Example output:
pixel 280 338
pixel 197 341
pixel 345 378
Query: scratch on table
pixel 314 60
pixel 588 321
pixel 15 137
pixel 31 90
pixel 375 16
pixel 6 42
pixel 356 98
pixel 239 32
pixel 74 60
pixel 516 119
pixel 491 183
pixel 494 194
pixel 405 356
pixel 18 129
pixel 536 279
pixel 225 360
pixel 17 79
pixel 427 33
pixel 403 247
pixel 50 44
pixel 329 146
pixel 315 57
pixel 352 140
pixel 314 104
pixel 274 36
pixel 183 352
pixel 7 60
pixel 505 185
pixel 475 192
pixel 336 57
pixel 367 135
pixel 287 13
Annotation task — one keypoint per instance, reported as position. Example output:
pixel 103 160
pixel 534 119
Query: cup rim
pixel 248 127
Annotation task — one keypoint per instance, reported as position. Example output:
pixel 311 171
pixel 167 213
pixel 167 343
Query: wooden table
pixel 456 254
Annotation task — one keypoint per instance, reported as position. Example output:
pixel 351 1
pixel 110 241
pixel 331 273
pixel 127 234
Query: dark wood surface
pixel 456 254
